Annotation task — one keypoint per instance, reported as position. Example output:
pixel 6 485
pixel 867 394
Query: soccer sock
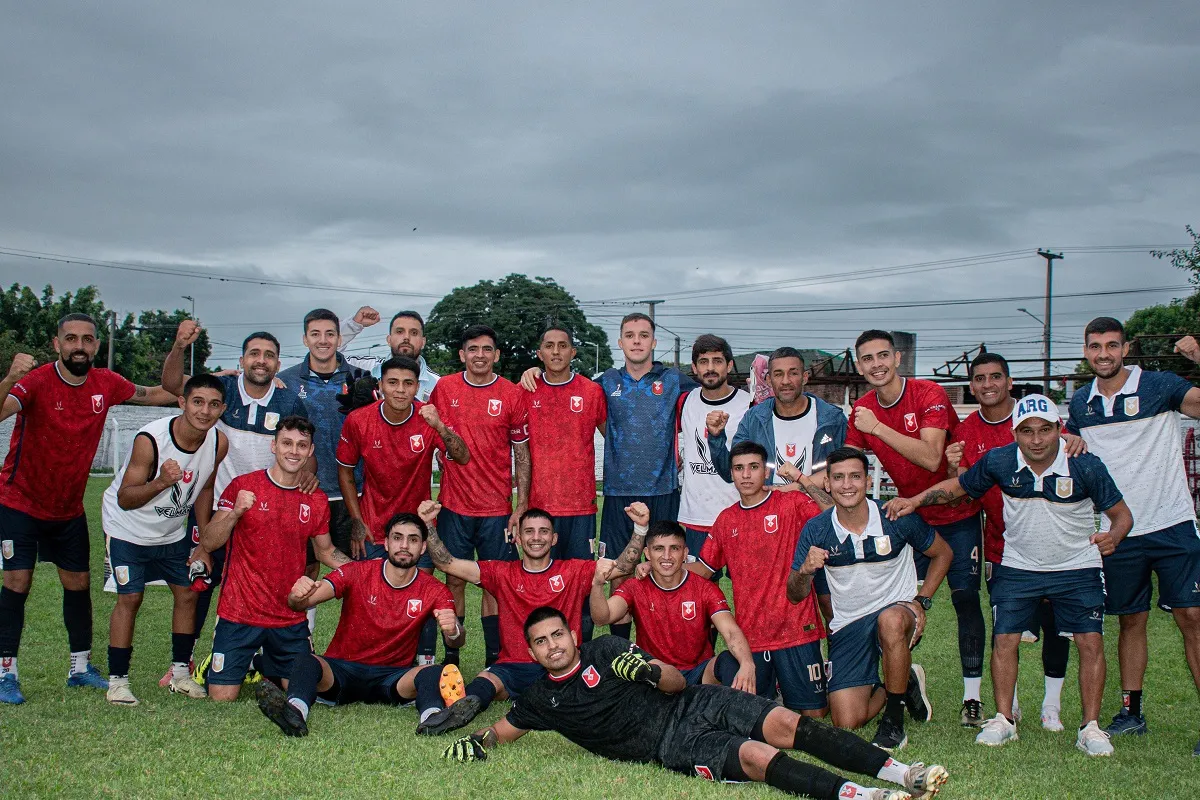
pixel 624 629
pixel 972 688
pixel 77 617
pixel 838 748
pixel 452 652
pixel 1133 701
pixel 587 627
pixel 12 622
pixel 311 614
pixel 299 705
pixel 971 633
pixel 429 696
pixel 482 688
pixel 894 709
pixel 202 605
pixel 427 643
pixel 1053 697
pixel 1056 651
pixel 892 771
pixel 306 674
pixel 118 661
pixel 181 648
pixel 726 668
pixel 796 777
pixel 491 638
pixel 8 666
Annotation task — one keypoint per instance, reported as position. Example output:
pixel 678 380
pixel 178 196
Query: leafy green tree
pixel 1156 329
pixel 518 308
pixel 1187 259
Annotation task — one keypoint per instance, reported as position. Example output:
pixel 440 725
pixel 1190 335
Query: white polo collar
pixel 874 524
pixel 1130 387
pixel 1059 467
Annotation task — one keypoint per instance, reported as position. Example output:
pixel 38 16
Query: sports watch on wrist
pixel 925 602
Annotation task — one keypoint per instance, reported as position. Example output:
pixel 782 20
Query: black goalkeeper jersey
pixel 598 711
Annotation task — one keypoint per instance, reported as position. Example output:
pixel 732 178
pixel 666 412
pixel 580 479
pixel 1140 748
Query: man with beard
pixel 613 699
pixel 406 337
pixel 1129 417
pixel 385 603
pixel 61 408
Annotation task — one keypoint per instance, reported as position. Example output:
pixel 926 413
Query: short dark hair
pixel 1104 325
pixel 556 326
pixel 535 513
pixel 205 381
pixel 665 528
pixel 847 454
pixel 400 362
pixel 989 358
pixel 260 335
pixel 541 614
pixel 295 422
pixel 476 331
pixel 634 317
pixel 77 316
pixel 748 448
pixel 711 343
pixel 318 314
pixel 407 518
pixel 407 315
pixel 872 335
pixel 784 352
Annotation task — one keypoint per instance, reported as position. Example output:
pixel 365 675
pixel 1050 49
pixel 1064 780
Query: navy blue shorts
pixel 1077 596
pixel 135 565
pixel 616 527
pixel 363 683
pixel 1172 553
pixel 576 536
pixel 799 671
pixel 235 644
pixel 25 540
pixel 695 675
pixel 965 538
pixel 854 653
pixel 516 677
pixel 485 538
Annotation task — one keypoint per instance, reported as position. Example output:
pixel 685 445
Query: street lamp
pixel 192 349
pixel 1045 350
pixel 593 344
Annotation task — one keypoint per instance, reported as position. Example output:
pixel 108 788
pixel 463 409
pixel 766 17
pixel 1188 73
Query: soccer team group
pixel 266 475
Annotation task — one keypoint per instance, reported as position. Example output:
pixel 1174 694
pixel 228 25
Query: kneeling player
pixel 612 699
pixel 675 614
pixel 385 603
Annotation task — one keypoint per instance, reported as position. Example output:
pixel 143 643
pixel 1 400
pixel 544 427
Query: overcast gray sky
pixel 626 149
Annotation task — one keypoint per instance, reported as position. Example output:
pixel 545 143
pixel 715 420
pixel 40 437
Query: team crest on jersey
pixel 6 548
pixel 577 404
pixel 417 442
pixel 591 677
pixel 218 662
pixel 657 388
pixel 195 534
pixel 1131 406
pixel 910 422
pixel 689 609
pixel 305 512
pixel 414 607
pixel 188 475
pixel 271 420
pixel 1063 487
pixel 494 407
pixel 557 583
pixel 98 403
pixel 790 449
pixel 121 574
pixel 704 772
pixel 883 545
pixel 771 523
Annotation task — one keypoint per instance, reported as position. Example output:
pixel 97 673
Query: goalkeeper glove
pixel 634 667
pixel 468 748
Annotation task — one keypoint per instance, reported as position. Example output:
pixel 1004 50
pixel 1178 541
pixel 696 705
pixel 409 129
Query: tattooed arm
pixel 438 552
pixel 627 561
pixel 326 553
pixel 942 493
pixel 524 468
pixel 456 448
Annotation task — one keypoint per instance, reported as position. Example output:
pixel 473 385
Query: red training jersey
pixel 922 404
pixel 380 623
pixel 564 585
pixel 267 550
pixel 978 436
pixel 397 462
pixel 673 624
pixel 563 418
pixel 490 419
pixel 54 439
pixel 758 544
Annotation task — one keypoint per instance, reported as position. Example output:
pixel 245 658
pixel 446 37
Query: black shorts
pixel 616 528
pixel 339 525
pixel 25 540
pixel 363 683
pixel 709 728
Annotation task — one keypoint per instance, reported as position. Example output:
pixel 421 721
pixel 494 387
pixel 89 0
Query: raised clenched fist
pixel 428 511
pixel 22 363
pixel 814 560
pixel 430 414
pixel 447 620
pixel 244 502
pixel 639 513
pixel 187 333
pixel 170 473
pixel 954 454
pixel 366 316
pixel 865 420
pixel 715 422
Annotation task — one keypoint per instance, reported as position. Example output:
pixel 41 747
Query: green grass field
pixel 70 743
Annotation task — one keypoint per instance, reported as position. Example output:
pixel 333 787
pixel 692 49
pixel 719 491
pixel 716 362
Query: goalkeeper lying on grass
pixel 612 699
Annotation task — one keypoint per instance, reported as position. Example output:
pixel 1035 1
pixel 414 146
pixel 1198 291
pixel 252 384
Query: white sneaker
pixel 997 731
pixel 1016 709
pixel 1093 741
pixel 184 685
pixel 119 693
pixel 888 794
pixel 1050 719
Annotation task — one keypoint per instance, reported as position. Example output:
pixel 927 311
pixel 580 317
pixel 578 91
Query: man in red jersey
pixel 906 423
pixel 61 408
pixel 538 579
pixel 385 604
pixel 756 538
pixel 979 432
pixel 676 614
pixel 477 514
pixel 267 522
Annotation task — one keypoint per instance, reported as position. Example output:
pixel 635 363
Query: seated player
pixel 612 699
pixel 385 603
pixel 538 579
pixel 1051 551
pixel 675 613
pixel 868 564
pixel 171 467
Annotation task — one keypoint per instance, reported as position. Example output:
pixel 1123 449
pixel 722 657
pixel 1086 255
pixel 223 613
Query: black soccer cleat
pixel 889 735
pixel 916 697
pixel 451 718
pixel 972 714
pixel 272 702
